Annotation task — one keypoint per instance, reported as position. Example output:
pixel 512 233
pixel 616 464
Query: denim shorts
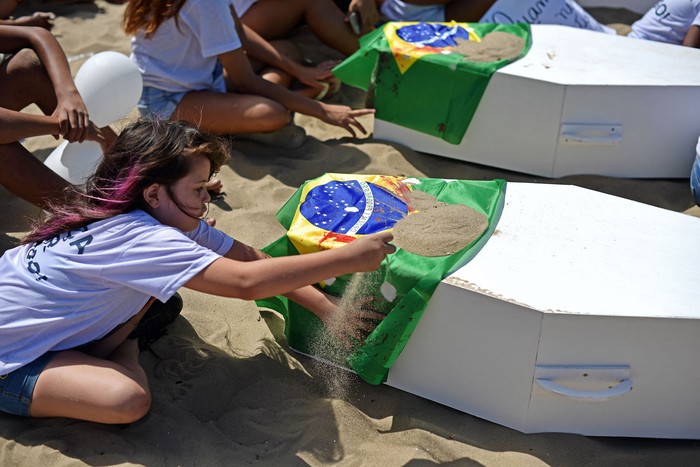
pixel 17 387
pixel 695 180
pixel 160 104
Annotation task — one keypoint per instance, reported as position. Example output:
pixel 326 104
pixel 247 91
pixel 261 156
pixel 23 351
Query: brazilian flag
pixel 418 77
pixel 335 209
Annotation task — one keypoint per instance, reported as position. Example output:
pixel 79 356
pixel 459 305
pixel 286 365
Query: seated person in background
pixel 324 18
pixel 671 21
pixel 194 59
pixel 39 18
pixel 35 71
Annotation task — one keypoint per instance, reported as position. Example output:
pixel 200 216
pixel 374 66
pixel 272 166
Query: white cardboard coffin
pixel 582 102
pixel 581 314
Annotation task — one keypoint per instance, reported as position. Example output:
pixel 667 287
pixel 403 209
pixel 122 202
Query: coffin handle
pixel 547 375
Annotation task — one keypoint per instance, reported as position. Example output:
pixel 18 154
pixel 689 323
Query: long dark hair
pixel 146 152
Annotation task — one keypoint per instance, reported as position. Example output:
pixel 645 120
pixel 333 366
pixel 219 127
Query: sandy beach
pixel 227 390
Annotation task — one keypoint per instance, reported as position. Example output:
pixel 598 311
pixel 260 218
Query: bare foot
pixel 214 186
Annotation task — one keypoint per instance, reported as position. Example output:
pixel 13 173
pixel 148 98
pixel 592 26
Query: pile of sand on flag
pixel 335 209
pixel 423 77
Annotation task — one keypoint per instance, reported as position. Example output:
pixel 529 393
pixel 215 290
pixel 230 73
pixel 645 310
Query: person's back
pixel 180 55
pixel 669 21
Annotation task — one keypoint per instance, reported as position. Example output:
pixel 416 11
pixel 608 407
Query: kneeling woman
pixel 73 297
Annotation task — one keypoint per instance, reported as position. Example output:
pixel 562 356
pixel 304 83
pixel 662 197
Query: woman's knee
pixel 128 402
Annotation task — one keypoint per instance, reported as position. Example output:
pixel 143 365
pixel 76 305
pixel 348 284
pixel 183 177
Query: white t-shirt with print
pixel 182 56
pixel 667 21
pixel 78 286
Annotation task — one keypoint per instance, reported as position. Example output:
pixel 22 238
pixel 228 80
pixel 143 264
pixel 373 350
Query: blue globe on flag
pixel 353 207
pixel 433 34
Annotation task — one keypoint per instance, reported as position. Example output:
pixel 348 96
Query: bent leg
pixel 275 75
pixel 323 17
pixel 102 382
pixel 230 113
pixel 24 81
pixel 27 177
pixel 76 385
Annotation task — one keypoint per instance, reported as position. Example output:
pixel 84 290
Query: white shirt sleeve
pixel 211 238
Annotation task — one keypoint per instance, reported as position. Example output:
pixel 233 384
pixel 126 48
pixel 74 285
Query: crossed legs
pixel 101 383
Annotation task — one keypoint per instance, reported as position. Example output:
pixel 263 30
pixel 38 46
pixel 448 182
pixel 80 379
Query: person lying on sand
pixel 96 280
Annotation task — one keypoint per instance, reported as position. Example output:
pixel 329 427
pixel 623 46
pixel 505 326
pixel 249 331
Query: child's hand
pixel 369 251
pixel 321 72
pixel 347 323
pixel 368 12
pixel 40 19
pixel 344 117
pixel 105 136
pixel 72 117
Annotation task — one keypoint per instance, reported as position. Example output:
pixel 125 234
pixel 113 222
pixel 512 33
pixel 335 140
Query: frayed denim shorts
pixel 695 180
pixel 160 104
pixel 17 387
pixel 157 103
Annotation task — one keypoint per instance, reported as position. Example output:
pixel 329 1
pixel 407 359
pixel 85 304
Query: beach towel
pixel 418 78
pixel 334 209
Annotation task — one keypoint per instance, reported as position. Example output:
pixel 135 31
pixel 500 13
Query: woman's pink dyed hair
pixel 146 152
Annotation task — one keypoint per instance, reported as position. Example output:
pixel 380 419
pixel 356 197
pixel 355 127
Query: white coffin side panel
pixel 652 145
pixel 580 315
pixel 646 90
pixel 664 400
pixel 473 356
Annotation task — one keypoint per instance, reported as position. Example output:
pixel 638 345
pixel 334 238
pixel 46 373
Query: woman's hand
pixel 344 117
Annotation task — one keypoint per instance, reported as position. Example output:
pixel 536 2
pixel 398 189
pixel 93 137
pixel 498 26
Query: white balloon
pixel 75 162
pixel 110 85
